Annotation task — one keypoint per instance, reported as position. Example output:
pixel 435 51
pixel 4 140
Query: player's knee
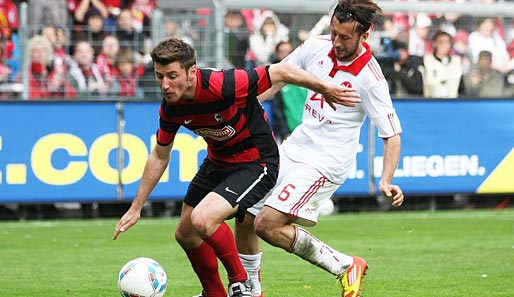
pixel 181 237
pixel 261 228
pixel 202 226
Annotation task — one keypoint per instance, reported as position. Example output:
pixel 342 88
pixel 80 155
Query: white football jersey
pixel 328 140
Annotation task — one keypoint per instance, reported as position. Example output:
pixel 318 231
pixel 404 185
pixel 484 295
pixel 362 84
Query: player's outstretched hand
pixel 127 220
pixel 392 192
pixel 336 94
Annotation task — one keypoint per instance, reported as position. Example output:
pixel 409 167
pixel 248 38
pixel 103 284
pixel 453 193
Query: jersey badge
pixel 216 134
pixel 346 84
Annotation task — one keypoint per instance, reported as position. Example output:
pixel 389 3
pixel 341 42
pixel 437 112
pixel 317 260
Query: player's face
pixel 346 41
pixel 175 82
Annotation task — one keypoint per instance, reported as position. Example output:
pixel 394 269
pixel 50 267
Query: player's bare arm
pixel 155 166
pixel 333 93
pixel 392 147
pixel 268 94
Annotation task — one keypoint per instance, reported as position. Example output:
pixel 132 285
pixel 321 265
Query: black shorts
pixel 242 184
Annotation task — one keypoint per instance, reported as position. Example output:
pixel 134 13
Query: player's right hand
pixel 127 220
pixel 393 192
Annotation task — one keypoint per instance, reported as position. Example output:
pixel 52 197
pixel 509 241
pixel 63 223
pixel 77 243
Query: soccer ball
pixel 142 277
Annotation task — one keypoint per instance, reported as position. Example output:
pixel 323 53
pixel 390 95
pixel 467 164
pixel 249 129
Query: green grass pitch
pixel 410 253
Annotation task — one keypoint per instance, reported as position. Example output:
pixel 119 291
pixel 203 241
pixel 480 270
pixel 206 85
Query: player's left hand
pixel 393 192
pixel 336 94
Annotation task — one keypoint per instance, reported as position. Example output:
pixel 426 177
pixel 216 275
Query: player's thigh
pixel 300 193
pixel 211 211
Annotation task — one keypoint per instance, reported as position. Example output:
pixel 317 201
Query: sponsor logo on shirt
pixel 216 134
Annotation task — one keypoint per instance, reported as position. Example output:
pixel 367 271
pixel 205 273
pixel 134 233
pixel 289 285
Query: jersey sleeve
pixel 296 57
pixel 380 110
pixel 167 129
pixel 303 54
pixel 261 75
pixel 249 83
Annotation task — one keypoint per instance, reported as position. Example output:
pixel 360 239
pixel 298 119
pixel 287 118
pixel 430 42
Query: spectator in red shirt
pixel 94 33
pixel 59 56
pixel 79 8
pixel 9 22
pixel 83 73
pixel 128 75
pixel 46 80
pixel 61 45
pixel 114 8
pixel 127 36
pixel 8 18
pixel 106 59
pixel 142 12
pixel 5 71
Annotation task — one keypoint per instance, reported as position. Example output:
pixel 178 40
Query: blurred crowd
pixel 422 56
pixel 431 56
pixel 99 49
pixel 79 49
pixel 447 55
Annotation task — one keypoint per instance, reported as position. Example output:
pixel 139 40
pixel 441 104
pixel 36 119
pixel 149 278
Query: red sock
pixel 223 243
pixel 205 264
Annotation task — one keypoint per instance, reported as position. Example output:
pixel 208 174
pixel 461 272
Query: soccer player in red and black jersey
pixel 242 161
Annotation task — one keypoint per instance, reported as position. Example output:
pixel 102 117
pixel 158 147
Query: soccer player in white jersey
pixel 320 153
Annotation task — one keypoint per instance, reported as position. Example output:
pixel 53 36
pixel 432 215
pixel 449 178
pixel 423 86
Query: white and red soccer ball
pixel 142 277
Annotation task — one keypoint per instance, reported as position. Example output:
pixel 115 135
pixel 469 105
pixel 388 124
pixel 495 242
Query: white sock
pixel 252 264
pixel 318 253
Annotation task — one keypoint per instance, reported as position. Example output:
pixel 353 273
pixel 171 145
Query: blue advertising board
pixel 56 152
pixel 72 151
pixel 455 146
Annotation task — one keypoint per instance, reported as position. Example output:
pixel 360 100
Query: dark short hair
pixel 363 12
pixel 399 45
pixel 442 33
pixel 280 43
pixel 172 50
pixel 485 54
pixel 93 12
pixel 126 55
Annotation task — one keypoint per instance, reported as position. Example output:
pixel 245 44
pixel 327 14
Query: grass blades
pixel 410 253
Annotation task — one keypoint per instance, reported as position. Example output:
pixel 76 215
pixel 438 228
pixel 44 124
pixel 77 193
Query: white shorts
pixel 299 192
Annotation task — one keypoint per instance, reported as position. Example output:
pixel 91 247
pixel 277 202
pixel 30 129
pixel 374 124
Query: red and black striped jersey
pixel 227 114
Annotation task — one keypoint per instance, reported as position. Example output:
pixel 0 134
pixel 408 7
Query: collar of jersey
pixel 356 66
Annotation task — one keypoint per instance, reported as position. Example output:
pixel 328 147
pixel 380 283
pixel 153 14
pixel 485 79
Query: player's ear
pixel 192 71
pixel 365 36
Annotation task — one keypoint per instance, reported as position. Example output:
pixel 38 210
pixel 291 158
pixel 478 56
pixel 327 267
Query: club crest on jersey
pixel 216 134
pixel 218 118
pixel 346 84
